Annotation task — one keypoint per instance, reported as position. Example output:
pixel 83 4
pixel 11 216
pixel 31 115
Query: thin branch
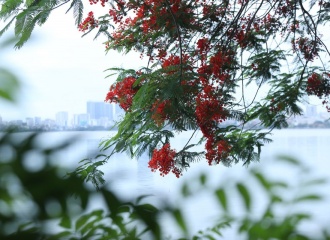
pixel 179 36
pixel 59 5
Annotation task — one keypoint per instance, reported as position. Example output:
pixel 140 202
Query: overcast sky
pixel 59 70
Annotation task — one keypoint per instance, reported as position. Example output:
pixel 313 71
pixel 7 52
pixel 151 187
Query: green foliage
pixel 267 63
pixel 88 170
pixel 78 10
pixel 28 195
pixel 46 186
pixel 201 57
pixel 29 13
pixel 9 84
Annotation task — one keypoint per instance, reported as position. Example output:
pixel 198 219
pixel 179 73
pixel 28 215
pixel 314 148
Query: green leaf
pixel 124 209
pixel 78 11
pixel 142 197
pixel 320 181
pixel 311 197
pixel 185 190
pixel 290 160
pixel 280 184
pixel 81 221
pixel 276 199
pixel 90 227
pixel 8 7
pixel 24 27
pixel 42 17
pixel 7 26
pixel 245 195
pixel 222 198
pixel 262 180
pixel 9 85
pixel 20 22
pixel 65 222
pixel 61 235
pixel 180 221
pixel 203 179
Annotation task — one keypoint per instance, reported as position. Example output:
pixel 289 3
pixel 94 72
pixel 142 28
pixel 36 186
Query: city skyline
pixel 96 112
pixel 59 70
pixel 66 71
pixel 103 114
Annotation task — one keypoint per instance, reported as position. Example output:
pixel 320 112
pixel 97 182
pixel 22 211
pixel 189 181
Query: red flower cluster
pixel 307 47
pixel 216 150
pixel 217 70
pixel 319 85
pixel 271 23
pixel 209 113
pixel 123 93
pixel 201 36
pixel 241 38
pixel 314 85
pixel 218 63
pixel 171 61
pixel 158 108
pixel 163 160
pixel 276 107
pixel 203 45
pixel 91 2
pixel 285 8
pixel 88 23
pixel 174 60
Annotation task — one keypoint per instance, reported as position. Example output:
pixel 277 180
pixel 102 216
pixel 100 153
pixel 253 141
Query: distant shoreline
pixel 102 129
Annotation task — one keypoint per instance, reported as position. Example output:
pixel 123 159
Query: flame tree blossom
pixel 203 56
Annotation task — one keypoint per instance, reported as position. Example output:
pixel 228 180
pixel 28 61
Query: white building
pixel 118 112
pixel 311 111
pixel 62 119
pixel 37 121
pixel 81 120
pixel 29 122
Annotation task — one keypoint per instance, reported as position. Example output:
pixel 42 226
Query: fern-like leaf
pixel 28 24
pixel 7 26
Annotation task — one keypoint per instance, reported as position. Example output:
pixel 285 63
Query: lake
pixel 132 177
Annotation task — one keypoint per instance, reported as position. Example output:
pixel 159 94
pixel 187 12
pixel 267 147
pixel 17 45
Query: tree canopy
pixel 202 57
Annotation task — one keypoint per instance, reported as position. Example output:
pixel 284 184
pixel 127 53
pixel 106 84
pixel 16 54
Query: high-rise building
pixel 311 111
pixel 80 120
pixel 29 122
pixel 37 121
pixel 62 119
pixel 48 123
pixel 118 112
pixel 99 110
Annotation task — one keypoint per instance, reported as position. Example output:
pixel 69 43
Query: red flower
pixel 123 93
pixel 171 61
pixel 216 151
pixel 203 45
pixel 209 110
pixel 158 109
pixel 318 85
pixel 163 160
pixel 88 23
pixel 307 47
pixel 174 60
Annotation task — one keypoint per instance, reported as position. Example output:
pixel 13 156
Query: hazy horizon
pixel 59 70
